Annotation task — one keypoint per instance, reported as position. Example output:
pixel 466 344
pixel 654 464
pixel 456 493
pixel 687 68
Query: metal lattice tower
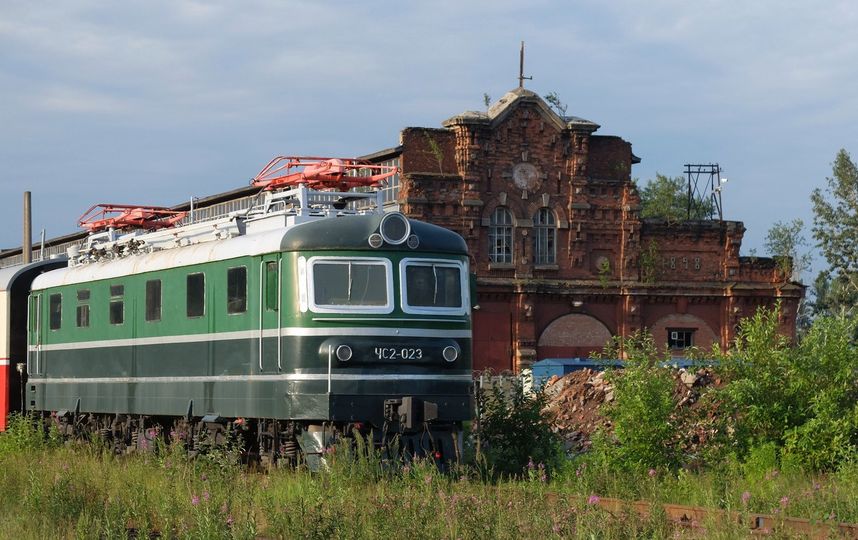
pixel 704 191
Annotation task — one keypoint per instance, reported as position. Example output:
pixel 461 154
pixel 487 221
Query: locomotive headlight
pixel 344 353
pixel 394 228
pixel 413 241
pixel 375 240
pixel 450 353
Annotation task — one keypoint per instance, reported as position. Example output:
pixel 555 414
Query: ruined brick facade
pixel 603 270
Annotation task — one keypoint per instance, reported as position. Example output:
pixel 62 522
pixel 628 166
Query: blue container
pixel 545 369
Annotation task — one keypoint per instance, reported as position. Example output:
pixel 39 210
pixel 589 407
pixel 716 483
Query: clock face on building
pixel 526 177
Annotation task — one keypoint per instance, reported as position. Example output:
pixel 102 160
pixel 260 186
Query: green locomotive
pixel 300 320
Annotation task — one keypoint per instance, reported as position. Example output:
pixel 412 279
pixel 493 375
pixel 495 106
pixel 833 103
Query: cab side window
pixel 196 295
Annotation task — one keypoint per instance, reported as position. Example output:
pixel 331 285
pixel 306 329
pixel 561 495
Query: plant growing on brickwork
pixel 514 430
pixel 487 100
pixel 785 242
pixel 649 260
pixel 554 100
pixel 604 272
pixel 436 151
pixel 667 198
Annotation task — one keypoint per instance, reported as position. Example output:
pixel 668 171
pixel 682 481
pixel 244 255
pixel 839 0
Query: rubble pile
pixel 574 402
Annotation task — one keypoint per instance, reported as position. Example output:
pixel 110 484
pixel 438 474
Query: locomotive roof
pixel 351 232
pixel 346 232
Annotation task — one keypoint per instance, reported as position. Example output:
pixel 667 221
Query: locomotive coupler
pixel 409 412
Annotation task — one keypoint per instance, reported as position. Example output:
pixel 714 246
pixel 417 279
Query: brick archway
pixel 572 336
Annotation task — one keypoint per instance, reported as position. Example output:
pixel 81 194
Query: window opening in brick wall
pixel 500 236
pixel 544 238
pixel 680 338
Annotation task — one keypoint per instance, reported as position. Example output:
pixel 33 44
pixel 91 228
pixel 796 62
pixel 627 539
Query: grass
pixel 54 490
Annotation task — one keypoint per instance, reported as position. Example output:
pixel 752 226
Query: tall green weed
pixel 642 409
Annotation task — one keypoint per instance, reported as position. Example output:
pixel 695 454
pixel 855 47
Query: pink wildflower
pixel 195 500
pixel 652 473
pixel 206 496
pixel 594 499
pixel 784 501
pixel 229 521
pixel 746 496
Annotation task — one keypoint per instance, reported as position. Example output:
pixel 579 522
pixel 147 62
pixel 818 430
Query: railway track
pixel 696 517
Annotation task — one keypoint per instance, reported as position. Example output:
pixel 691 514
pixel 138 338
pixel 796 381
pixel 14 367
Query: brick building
pixel 563 258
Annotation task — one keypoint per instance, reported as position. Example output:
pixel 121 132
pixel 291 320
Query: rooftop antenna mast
pixel 521 77
pixel 704 185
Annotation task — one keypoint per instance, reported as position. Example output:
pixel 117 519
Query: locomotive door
pixel 270 288
pixel 34 322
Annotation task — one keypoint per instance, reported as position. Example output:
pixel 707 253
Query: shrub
pixel 802 399
pixel 642 409
pixel 27 432
pixel 512 429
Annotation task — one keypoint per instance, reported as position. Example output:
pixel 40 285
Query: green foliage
pixel 800 399
pixel 487 99
pixel 513 429
pixel 436 151
pixel 69 492
pixel 554 100
pixel 835 226
pixel 785 241
pixel 641 412
pixel 761 394
pixel 26 432
pixel 649 259
pixel 829 388
pixel 833 295
pixel 604 272
pixel 667 198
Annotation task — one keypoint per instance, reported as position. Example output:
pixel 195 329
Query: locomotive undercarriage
pixel 266 442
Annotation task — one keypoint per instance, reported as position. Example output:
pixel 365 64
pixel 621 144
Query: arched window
pixel 544 237
pixel 500 236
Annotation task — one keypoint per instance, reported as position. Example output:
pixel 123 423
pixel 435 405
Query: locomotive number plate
pixel 392 353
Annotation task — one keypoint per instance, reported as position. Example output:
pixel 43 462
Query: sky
pixel 153 102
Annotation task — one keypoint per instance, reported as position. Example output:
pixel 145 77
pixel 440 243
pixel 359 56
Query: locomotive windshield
pixel 343 283
pixel 432 286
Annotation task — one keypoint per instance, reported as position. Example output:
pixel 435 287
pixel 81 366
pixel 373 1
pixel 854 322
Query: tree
pixel 667 198
pixel 785 241
pixel 835 228
pixel 554 100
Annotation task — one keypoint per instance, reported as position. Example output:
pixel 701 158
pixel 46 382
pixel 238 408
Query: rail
pixel 696 517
